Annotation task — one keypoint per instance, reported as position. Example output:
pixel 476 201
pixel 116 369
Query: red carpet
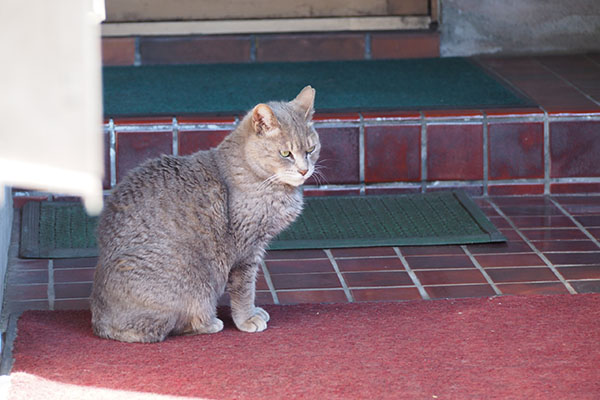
pixel 499 348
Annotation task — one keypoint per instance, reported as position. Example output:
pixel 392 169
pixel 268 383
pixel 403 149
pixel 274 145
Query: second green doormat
pixel 63 230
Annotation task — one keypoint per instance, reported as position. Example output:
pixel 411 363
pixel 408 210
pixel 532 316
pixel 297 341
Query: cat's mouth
pixel 295 179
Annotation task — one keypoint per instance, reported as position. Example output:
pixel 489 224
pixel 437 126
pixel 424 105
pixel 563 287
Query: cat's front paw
pixel 256 323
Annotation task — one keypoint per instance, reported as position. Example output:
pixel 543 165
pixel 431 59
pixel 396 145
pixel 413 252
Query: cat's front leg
pixel 241 287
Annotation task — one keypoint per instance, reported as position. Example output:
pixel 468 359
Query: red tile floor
pixel 553 247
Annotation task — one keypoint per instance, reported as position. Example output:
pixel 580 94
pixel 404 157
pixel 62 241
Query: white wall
pixel 471 27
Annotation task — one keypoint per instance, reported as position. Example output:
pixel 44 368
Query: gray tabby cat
pixel 179 231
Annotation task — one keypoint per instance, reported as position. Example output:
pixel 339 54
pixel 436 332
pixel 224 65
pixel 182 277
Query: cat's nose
pixel 303 172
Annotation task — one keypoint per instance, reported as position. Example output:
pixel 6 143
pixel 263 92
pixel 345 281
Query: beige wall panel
pixel 160 10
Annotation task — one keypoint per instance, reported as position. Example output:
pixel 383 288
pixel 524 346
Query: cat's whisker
pixel 268 182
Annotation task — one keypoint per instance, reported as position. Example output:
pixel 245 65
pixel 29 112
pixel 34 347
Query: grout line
pixel 175 134
pixel 535 249
pixel 51 294
pixel 412 275
pixel 137 57
pixel 481 269
pixel 361 155
pixel 423 153
pixel 267 276
pixel 546 154
pixel 252 55
pixel 112 153
pixel 577 223
pixel 339 274
pixel 367 46
pixel 486 161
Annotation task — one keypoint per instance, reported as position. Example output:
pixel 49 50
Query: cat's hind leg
pixel 142 328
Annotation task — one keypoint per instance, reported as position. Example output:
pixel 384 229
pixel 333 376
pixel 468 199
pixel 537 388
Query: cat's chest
pixel 259 218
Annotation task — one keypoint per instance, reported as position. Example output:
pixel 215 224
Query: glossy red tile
pixel 551 246
pixel 447 277
pixel 363 252
pixel 386 294
pixel 511 246
pixel 405 45
pixel 377 279
pixel 578 70
pixel 548 221
pixel 369 264
pixel 455 152
pixel 193 141
pixel 72 290
pixel 27 276
pixel 312 296
pixel 299 266
pixel 338 161
pixel 263 297
pixel 88 262
pixel 135 147
pixel 330 192
pixel 471 190
pixel 36 291
pixel 516 150
pixel 396 189
pixel 588 220
pixel 294 254
pixel 586 286
pixel 143 120
pixel 574 188
pixel 71 304
pixel 106 159
pixel 21 264
pixel 521 274
pixel 431 250
pixel 459 291
pixel 575 258
pixel 574 149
pixel 515 189
pixel 439 262
pixel 554 234
pixel 509 260
pixel 533 288
pixel 310 47
pixel 392 153
pixel 577 273
pixel 74 275
pixel 194 49
pixel 306 281
pixel 261 283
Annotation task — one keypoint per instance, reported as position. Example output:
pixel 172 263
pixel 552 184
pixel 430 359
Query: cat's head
pixel 283 145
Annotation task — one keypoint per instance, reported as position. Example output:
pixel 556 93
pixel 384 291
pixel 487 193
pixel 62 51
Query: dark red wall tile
pixel 312 296
pixel 392 153
pixel 586 286
pixel 370 264
pixel 405 45
pixel 330 192
pixel 193 141
pixel 135 147
pixel 310 47
pixel 455 152
pixel 106 150
pixel 512 190
pixel 338 161
pixel 185 50
pixel 574 149
pixel 521 274
pixel 450 277
pixel 118 51
pixel 459 291
pixel 473 190
pixel 367 279
pixel 533 288
pixel 574 188
pixel 516 150
pixel 386 294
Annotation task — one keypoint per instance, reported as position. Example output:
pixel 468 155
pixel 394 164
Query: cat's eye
pixel 284 154
pixel 310 149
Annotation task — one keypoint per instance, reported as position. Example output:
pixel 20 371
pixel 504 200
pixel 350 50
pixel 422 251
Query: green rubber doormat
pixel 341 85
pixel 63 230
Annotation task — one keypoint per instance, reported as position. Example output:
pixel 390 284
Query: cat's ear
pixel 306 101
pixel 264 121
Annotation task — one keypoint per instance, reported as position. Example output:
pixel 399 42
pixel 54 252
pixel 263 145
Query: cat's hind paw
pixel 256 323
